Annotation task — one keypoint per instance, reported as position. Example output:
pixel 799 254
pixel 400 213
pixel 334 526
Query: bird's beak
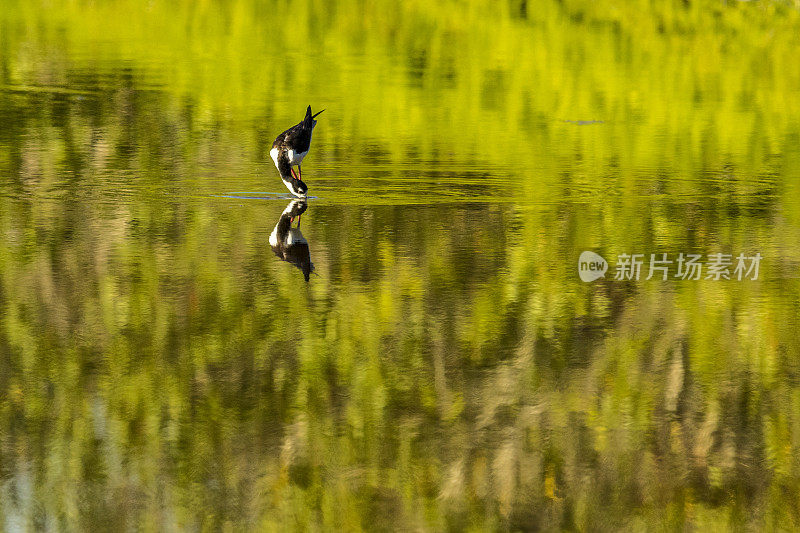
pixel 315 116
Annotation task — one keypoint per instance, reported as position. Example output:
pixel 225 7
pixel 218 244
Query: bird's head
pixel 298 187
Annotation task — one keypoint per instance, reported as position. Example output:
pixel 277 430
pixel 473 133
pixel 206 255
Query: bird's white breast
pixel 295 237
pixel 295 158
pixel 274 154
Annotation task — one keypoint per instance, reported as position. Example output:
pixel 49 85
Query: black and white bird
pixel 290 148
pixel 288 243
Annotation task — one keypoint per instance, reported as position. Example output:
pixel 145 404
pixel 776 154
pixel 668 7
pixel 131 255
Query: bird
pixel 288 243
pixel 289 149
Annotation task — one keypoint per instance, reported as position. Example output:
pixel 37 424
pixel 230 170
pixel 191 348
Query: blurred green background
pixel 445 368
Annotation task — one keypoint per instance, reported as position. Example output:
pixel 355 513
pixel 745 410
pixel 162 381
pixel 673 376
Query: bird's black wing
pixel 298 138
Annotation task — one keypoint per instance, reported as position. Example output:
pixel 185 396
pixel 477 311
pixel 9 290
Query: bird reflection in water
pixel 288 242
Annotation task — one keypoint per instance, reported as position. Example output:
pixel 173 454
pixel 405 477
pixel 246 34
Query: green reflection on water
pixel 444 368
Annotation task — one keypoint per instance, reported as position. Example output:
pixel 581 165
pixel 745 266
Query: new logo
pixel 591 266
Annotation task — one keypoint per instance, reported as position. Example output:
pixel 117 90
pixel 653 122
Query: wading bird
pixel 290 148
pixel 288 243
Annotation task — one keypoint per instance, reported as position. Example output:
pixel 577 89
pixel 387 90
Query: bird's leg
pixel 293 172
pixel 300 171
pixel 298 220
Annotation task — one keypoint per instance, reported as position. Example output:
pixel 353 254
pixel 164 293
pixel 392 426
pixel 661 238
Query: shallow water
pixel 444 367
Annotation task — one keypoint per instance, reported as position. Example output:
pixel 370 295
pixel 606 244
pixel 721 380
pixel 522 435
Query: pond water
pixel 164 366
